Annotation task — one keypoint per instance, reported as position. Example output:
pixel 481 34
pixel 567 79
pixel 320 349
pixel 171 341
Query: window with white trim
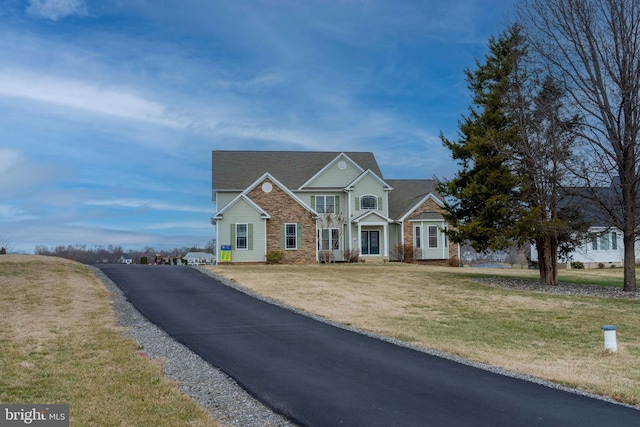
pixel 330 239
pixel 291 236
pixel 418 237
pixel 433 236
pixel 241 236
pixel 325 204
pixel 368 202
pixel 606 242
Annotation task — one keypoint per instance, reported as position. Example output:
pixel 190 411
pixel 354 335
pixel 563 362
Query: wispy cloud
pixel 85 96
pixel 108 123
pixel 56 9
pixel 146 204
pixel 19 174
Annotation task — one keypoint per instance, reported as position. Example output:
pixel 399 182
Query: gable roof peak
pixel 235 170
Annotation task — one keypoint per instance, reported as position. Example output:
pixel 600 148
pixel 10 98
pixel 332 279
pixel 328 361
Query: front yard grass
pixel 60 345
pixel 554 337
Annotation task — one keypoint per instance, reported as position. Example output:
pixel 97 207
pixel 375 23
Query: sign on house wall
pixel 225 253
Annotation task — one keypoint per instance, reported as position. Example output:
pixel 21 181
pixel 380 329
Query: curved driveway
pixel 319 375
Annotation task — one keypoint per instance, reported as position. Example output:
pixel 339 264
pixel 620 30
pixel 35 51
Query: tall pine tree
pixel 511 150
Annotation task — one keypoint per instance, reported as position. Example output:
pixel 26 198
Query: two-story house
pixel 310 204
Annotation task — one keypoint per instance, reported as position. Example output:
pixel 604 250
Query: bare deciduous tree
pixel 593 48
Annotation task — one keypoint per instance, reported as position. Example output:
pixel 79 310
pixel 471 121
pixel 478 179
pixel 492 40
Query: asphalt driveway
pixel 319 375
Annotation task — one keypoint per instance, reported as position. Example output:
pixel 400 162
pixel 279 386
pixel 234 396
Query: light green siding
pixel 334 177
pixel 395 239
pixel 310 199
pixel 224 198
pixel 243 213
pixel 372 187
pixel 426 252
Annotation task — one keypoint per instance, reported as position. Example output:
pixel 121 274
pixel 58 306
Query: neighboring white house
pixel 197 258
pixel 125 259
pixel 606 249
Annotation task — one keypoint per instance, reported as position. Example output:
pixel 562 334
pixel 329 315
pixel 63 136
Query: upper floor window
pixel 325 204
pixel 368 202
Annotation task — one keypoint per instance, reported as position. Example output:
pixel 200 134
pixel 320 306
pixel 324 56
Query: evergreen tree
pixel 512 149
pixel 480 200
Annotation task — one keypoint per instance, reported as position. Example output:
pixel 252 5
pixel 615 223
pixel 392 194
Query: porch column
pixel 386 239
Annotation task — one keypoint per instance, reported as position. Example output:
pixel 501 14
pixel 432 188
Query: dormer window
pixel 368 202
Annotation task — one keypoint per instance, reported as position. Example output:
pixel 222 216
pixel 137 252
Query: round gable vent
pixel 267 187
pixel 342 165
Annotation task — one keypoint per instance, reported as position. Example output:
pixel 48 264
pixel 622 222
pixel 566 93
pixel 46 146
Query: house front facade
pixel 322 206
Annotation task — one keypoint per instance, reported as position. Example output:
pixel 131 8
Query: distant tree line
pixel 111 253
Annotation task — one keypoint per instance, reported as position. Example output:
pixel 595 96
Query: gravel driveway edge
pixel 211 388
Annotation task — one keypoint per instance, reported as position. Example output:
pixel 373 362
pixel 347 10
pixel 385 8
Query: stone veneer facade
pixel 283 209
pixel 430 206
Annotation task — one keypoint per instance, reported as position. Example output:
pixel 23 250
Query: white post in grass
pixel 610 338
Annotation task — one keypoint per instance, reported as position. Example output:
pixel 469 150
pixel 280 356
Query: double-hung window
pixel 241 236
pixel 418 238
pixel 291 236
pixel 325 204
pixel 433 236
pixel 330 239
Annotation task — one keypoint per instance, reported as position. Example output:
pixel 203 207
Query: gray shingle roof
pixel 236 170
pixel 407 193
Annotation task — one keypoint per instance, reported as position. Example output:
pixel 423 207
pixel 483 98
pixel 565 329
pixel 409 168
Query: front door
pixel 370 242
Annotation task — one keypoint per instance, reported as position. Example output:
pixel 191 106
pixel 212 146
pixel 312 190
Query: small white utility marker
pixel 610 337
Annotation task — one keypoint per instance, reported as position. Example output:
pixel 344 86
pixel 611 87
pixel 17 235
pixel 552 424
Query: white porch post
pixel 348 221
pixel 386 239
pixel 359 238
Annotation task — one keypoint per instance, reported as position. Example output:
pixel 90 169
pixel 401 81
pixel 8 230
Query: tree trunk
pixel 629 199
pixel 542 259
pixel 552 277
pixel 548 259
pixel 629 262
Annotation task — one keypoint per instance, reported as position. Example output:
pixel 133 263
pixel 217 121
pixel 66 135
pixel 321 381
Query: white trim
pixel 295 226
pixel 315 196
pixel 362 196
pixel 244 197
pixel 327 166
pixel 417 205
pixel 351 185
pixel 429 228
pixel 246 225
pixel 385 240
pixel 371 212
pixel 283 187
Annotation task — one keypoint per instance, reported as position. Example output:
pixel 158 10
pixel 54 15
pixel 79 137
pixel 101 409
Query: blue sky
pixel 109 110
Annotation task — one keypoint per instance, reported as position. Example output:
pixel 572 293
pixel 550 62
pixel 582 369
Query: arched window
pixel 368 202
